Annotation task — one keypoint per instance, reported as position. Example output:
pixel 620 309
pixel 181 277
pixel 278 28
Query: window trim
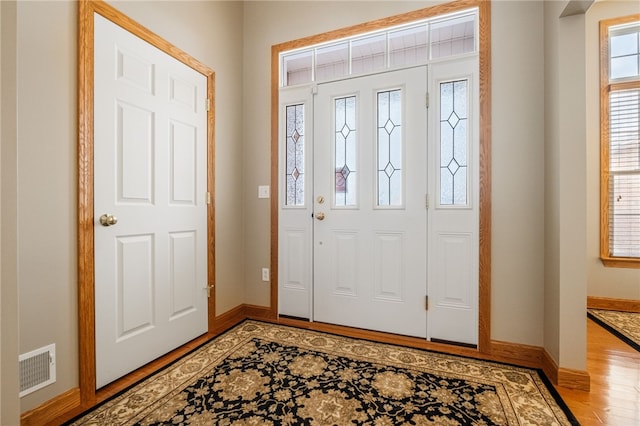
pixel 606 87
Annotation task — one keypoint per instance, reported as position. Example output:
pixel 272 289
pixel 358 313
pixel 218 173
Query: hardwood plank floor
pixel 614 368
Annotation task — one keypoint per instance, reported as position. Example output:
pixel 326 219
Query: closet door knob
pixel 108 220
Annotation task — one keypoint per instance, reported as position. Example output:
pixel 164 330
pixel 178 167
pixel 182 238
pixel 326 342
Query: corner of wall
pixel 9 401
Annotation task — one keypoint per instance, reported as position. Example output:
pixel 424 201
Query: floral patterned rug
pixel 265 374
pixel 624 325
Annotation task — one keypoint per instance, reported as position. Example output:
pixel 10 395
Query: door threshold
pixel 451 342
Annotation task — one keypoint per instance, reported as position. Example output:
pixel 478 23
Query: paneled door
pixel 369 205
pixel 150 177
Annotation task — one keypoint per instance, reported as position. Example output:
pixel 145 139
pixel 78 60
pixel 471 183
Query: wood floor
pixel 614 368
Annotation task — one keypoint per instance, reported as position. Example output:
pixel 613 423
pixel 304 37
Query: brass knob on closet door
pixel 108 220
pixel 320 216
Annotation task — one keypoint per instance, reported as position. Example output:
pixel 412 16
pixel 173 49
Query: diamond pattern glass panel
pixel 390 148
pixel 295 155
pixel 453 143
pixel 345 152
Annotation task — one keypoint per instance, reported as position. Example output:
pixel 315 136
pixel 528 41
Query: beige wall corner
pixel 565 188
pixel 9 385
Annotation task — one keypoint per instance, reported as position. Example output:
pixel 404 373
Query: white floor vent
pixel 37 369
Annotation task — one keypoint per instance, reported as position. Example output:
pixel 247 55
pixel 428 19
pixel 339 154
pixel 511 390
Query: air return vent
pixel 37 369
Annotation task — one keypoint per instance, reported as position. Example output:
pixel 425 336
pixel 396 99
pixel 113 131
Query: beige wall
pixel 619 283
pixel 565 187
pixel 9 402
pixel 518 172
pixel 46 246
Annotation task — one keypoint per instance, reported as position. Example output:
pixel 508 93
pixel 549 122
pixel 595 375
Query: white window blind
pixel 624 173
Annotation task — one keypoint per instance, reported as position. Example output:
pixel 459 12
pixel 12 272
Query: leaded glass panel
pixel 295 155
pixel 389 107
pixel 345 149
pixel 453 143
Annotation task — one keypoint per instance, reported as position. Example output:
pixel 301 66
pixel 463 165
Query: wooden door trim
pixel 484 17
pixel 86 280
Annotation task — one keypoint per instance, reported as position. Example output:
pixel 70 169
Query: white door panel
pixel 150 150
pixel 370 247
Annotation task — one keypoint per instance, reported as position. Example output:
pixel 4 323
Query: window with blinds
pixel 620 144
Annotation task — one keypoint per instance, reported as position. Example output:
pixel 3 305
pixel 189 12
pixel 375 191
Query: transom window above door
pixel 396 47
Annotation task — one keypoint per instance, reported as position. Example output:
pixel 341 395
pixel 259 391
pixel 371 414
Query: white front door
pixel 150 168
pixel 370 184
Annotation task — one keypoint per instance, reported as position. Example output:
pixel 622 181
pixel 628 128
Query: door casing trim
pixel 86 278
pixel 484 17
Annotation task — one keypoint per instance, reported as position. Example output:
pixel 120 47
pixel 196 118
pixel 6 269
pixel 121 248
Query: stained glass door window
pixel 389 141
pixel 453 143
pixel 295 155
pixel 345 149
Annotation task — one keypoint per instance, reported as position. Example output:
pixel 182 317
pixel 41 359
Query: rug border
pixel 540 372
pixel 158 371
pixel 612 330
pixel 558 398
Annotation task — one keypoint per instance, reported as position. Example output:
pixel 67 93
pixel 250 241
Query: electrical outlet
pixel 265 274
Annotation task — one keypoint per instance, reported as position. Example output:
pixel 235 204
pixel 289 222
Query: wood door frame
pixel 484 18
pixel 86 278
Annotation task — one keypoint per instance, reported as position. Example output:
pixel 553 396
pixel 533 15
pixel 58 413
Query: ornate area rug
pixel 624 325
pixel 265 374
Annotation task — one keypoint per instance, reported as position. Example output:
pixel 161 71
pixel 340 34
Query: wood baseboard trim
pixel 611 304
pixel 258 312
pixel 228 319
pixel 516 353
pixel 574 379
pixel 565 377
pixel 46 413
pixel 238 314
pixel 549 367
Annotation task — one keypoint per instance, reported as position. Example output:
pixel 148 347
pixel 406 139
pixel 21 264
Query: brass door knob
pixel 320 216
pixel 108 220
